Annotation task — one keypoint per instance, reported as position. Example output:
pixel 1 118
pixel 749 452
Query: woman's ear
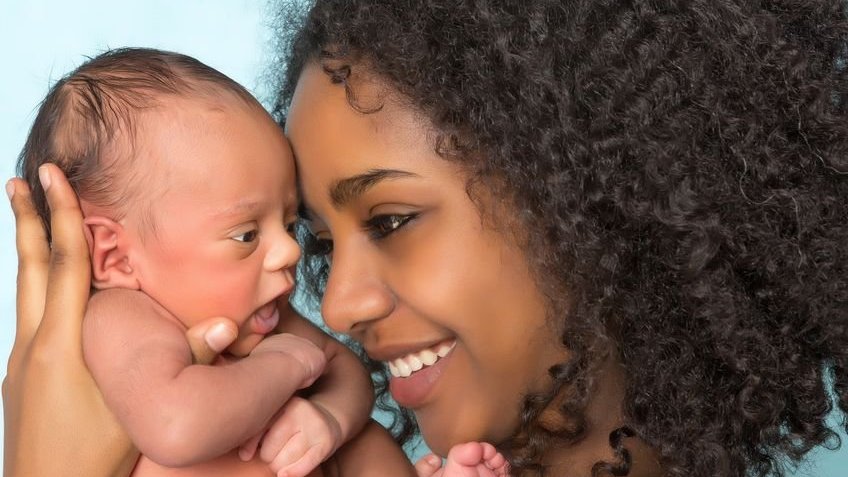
pixel 110 264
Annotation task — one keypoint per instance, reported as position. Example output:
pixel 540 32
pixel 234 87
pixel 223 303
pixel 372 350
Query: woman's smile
pixel 405 366
pixel 414 376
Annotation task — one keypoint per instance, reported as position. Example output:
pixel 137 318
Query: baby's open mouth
pixel 265 319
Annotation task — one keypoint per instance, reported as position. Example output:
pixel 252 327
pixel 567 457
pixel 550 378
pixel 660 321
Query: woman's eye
pixel 246 237
pixel 318 246
pixel 382 226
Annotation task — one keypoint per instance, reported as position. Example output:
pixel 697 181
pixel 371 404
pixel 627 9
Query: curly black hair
pixel 682 165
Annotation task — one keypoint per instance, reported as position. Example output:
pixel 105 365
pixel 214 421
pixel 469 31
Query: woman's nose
pixel 283 253
pixel 355 294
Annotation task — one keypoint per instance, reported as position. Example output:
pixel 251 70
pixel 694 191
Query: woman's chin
pixel 440 437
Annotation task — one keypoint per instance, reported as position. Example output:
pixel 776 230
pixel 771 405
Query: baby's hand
pixel 302 436
pixel 472 459
pixel 303 352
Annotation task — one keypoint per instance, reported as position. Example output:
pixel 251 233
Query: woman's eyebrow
pixel 350 188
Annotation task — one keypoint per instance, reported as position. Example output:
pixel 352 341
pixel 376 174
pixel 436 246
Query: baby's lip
pixel 265 319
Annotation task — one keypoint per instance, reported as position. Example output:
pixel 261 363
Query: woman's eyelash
pixel 317 246
pixel 381 226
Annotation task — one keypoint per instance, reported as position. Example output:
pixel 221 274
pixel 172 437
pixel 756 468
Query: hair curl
pixel 682 170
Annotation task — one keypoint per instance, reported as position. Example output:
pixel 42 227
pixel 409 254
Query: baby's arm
pixel 336 407
pixel 176 412
pixel 345 390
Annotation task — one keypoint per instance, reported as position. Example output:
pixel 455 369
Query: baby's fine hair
pixel 87 123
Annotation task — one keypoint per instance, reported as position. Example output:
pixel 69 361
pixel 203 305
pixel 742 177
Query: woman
pixel 622 223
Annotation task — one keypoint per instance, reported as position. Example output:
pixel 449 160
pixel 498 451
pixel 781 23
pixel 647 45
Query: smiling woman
pixel 601 214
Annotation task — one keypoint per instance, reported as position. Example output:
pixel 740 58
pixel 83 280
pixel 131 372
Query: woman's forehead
pixel 323 125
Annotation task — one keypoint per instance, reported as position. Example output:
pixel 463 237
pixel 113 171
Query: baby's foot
pixel 428 466
pixel 472 459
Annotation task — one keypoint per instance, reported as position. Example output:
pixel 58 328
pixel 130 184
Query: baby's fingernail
pixel 219 337
pixel 433 459
pixel 10 189
pixel 44 177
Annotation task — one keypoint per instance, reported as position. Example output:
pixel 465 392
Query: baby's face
pixel 224 201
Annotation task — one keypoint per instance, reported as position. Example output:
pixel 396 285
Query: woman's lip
pixel 413 391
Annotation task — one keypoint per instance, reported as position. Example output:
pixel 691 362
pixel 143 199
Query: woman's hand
pixel 55 420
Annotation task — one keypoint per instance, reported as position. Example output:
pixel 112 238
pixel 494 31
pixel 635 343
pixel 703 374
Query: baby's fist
pixel 302 436
pixel 302 351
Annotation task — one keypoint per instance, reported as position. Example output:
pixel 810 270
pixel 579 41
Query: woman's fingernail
pixel 44 177
pixel 219 337
pixel 433 459
pixel 10 189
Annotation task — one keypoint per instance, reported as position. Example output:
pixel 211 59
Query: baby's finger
pixel 68 281
pixel 277 437
pixel 304 465
pixel 209 338
pixel 286 454
pixel 33 256
pixel 248 449
pixel 299 462
pixel 275 446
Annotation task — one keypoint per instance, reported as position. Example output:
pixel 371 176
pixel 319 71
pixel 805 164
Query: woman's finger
pixel 69 270
pixel 208 338
pixel 33 257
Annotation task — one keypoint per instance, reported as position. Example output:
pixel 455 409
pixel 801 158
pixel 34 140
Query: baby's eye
pixel 246 237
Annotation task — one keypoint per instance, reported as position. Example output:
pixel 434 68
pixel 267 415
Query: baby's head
pixel 186 184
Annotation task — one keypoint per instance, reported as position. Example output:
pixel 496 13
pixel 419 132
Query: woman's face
pixel 417 276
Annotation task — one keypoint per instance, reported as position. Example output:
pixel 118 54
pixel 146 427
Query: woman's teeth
pixel 404 366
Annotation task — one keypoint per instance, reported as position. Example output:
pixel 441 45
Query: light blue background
pixel 44 39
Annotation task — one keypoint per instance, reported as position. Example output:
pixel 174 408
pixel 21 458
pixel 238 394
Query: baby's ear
pixel 110 264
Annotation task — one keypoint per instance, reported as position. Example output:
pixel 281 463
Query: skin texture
pixel 380 289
